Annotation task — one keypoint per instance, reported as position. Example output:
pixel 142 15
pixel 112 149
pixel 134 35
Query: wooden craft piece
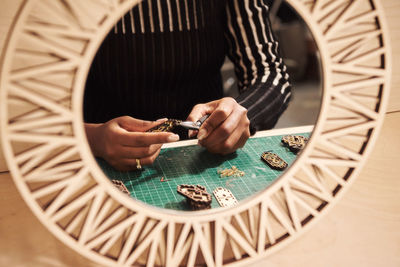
pixel 196 196
pixel 294 142
pixel 121 187
pixel 234 171
pixel 224 197
pixel 167 126
pixel 274 161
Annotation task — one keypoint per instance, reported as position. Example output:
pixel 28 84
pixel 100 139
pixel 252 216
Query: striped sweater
pixel 165 56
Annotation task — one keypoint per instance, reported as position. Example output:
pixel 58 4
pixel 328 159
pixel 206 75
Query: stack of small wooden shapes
pixel 294 142
pixel 196 196
pixel 234 171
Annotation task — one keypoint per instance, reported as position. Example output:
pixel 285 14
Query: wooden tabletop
pixel 363 229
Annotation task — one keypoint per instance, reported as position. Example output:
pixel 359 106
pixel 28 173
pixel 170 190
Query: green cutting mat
pixel 194 165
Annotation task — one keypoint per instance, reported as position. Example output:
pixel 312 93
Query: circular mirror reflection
pixel 160 62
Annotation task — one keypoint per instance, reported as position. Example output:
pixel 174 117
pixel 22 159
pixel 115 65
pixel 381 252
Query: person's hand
pixel 227 128
pixel 123 140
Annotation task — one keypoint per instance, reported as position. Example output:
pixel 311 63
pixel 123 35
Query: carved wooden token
pixel 273 160
pixel 167 126
pixel 196 196
pixel 294 142
pixel 224 197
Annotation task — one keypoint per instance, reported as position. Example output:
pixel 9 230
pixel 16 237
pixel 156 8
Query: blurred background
pixel 301 57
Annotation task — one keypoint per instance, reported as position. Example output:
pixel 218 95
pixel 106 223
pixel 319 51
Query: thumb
pixel 135 125
pixel 200 110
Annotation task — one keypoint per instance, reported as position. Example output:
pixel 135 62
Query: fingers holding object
pixel 200 110
pixel 231 144
pixel 140 139
pixel 225 129
pixel 217 117
pixel 133 125
pixel 139 152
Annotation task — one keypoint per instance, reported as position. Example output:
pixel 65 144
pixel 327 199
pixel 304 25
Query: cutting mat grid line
pixel 194 165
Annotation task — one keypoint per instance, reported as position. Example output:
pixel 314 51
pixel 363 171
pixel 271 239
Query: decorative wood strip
pixel 233 233
pixel 340 22
pixel 293 214
pixel 121 226
pixel 89 223
pixel 53 163
pixel 72 206
pixel 205 248
pixel 132 238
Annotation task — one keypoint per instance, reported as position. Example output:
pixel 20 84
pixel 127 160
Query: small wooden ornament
pixel 274 161
pixel 224 197
pixel 294 142
pixel 167 126
pixel 196 196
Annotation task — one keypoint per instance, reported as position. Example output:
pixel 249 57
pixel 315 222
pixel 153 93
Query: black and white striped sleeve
pixel 263 82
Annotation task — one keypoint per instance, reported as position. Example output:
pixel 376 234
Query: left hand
pixel 227 128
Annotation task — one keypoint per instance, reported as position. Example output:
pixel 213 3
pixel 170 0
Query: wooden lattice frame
pixel 44 68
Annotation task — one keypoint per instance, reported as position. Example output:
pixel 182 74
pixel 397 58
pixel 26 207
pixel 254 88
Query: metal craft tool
pixel 190 125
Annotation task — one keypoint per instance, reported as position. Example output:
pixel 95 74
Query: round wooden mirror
pixel 120 65
pixel 44 69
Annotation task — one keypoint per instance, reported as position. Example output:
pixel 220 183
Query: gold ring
pixel 138 166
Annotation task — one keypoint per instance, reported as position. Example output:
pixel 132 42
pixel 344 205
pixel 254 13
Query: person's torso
pixel 160 59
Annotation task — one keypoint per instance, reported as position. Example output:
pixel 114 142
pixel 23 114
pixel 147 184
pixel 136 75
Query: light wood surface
pixel 363 229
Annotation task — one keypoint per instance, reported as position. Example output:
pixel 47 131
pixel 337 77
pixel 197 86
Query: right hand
pixel 122 140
